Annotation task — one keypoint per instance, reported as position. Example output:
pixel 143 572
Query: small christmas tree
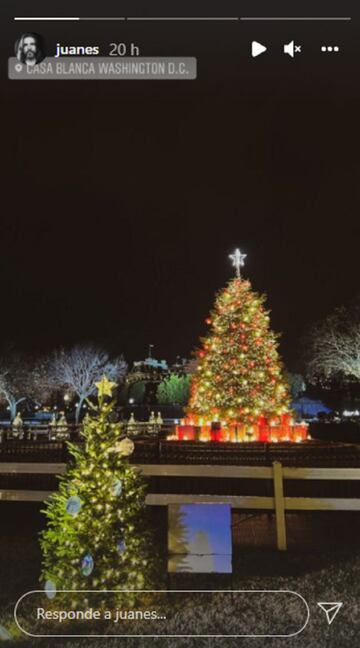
pixel 97 535
pixel 239 379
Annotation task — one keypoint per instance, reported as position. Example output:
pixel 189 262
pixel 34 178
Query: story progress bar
pixel 182 18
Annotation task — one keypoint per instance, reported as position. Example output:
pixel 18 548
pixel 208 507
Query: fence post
pixel 279 506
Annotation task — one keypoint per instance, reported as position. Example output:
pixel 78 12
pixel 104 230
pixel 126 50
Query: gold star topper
pixel 105 387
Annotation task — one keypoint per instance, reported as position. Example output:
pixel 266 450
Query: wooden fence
pixel 278 503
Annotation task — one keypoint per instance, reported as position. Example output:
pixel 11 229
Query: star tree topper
pixel 238 261
pixel 105 387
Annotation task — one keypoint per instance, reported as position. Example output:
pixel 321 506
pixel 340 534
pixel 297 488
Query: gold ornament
pixel 125 447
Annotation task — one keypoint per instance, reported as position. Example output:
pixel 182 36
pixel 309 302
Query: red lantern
pixel 215 431
pixel 185 432
pixel 286 419
pixel 264 433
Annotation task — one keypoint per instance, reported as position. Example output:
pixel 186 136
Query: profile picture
pixel 29 49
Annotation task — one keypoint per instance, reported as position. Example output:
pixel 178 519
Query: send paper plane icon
pixel 331 610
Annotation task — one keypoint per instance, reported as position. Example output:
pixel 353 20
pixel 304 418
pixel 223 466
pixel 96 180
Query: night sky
pixel 122 200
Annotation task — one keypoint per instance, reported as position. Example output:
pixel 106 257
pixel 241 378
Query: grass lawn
pixel 319 576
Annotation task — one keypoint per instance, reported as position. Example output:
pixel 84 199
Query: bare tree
pixel 334 347
pixel 80 367
pixel 20 378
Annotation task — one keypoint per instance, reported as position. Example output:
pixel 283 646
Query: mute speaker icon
pixel 291 49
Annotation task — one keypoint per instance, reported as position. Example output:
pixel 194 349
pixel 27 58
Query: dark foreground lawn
pixel 321 575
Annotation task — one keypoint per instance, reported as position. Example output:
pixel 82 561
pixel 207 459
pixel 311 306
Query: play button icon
pixel 257 49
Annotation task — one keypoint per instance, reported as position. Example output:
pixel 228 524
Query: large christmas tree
pixel 239 379
pixel 97 535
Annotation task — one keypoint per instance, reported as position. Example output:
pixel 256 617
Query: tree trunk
pixel 78 409
pixel 13 407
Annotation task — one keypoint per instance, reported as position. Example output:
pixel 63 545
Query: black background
pixel 122 200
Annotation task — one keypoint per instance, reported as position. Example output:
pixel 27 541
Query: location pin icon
pixel 18 67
